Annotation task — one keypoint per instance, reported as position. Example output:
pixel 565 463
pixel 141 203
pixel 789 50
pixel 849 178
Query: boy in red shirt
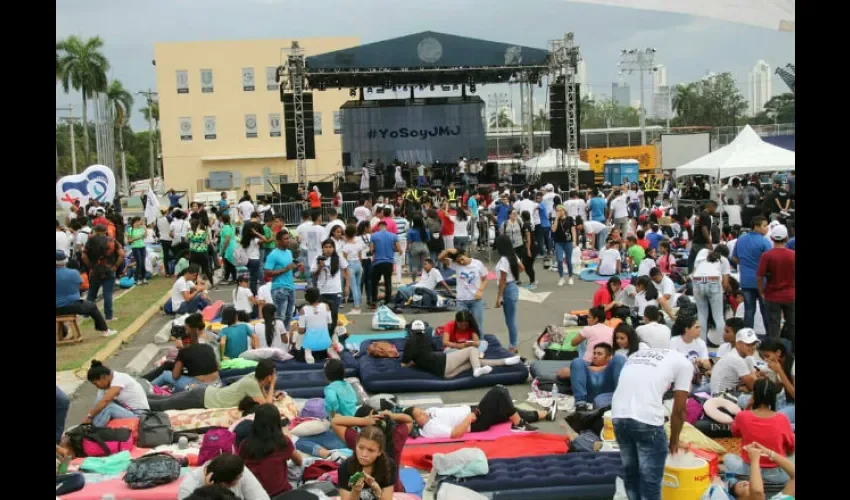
pixel 778 267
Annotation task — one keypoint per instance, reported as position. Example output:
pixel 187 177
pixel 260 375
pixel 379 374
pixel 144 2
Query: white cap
pixel 549 187
pixel 779 233
pixel 417 326
pixel 773 223
pixel 747 336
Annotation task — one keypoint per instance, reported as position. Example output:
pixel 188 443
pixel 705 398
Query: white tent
pixel 548 162
pixel 745 155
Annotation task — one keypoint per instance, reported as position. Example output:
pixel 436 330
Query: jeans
pixel 564 249
pixel 202 259
pixel 709 294
pixel 179 385
pixel 510 299
pixel 140 254
pixel 85 308
pixel 775 311
pixel 195 304
pixel 111 411
pixel 692 256
pixel 229 271
pixel 311 444
pixel 601 238
pixel 643 450
pixel 587 384
pixel 302 258
pixel 254 268
pixel 166 256
pixel 418 253
pixel 106 282
pixel 355 271
pixel 367 280
pixel 461 242
pixel 385 270
pixel 634 210
pixel 62 405
pixel 284 303
pixel 69 483
pixel 736 465
pixel 421 180
pixel 544 242
pixel 476 307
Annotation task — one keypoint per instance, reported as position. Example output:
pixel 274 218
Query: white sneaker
pixel 561 282
pixel 336 457
pixel 354 312
pixel 308 358
pixel 513 360
pixel 571 282
pixel 484 370
pixel 110 333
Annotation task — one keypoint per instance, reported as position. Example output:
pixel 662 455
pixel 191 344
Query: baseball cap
pixel 417 326
pixel 747 336
pixel 61 257
pixel 773 223
pixel 779 233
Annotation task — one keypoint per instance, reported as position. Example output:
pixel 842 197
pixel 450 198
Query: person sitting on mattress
pixel 199 360
pixel 595 333
pixel 260 387
pixel 238 336
pixel 369 474
pixel 463 332
pixel 119 396
pixel 495 407
pixel 626 341
pixel 598 377
pixel 227 471
pixel 271 332
pixel 686 340
pixel 340 398
pixel 395 426
pixel 605 296
pixel 427 283
pixel 609 259
pixel 267 451
pixel 313 321
pixel 780 369
pixel 734 372
pixel 419 353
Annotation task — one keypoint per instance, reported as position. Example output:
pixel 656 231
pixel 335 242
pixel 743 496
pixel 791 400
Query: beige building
pixel 221 117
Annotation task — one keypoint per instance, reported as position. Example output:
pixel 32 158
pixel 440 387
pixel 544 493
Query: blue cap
pixel 60 255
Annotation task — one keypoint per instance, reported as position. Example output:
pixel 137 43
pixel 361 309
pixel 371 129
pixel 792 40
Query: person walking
pixel 775 279
pixel 564 234
pixel 747 256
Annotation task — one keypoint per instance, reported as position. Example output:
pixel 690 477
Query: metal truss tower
pixel 564 62
pixel 295 68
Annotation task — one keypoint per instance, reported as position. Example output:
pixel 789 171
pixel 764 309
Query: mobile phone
pixel 354 478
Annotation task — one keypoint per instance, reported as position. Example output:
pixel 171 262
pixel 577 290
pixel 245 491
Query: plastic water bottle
pixel 555 396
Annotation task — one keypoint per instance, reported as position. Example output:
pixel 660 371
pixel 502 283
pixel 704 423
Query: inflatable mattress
pixel 387 374
pixel 292 365
pixel 297 384
pixel 585 476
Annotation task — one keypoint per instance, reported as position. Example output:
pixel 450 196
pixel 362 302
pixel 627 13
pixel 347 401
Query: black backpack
pixel 152 470
pixel 155 430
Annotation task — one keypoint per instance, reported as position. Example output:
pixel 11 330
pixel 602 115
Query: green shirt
pixel 267 232
pixel 230 396
pixel 198 241
pixel 137 232
pixel 637 254
pixel 180 266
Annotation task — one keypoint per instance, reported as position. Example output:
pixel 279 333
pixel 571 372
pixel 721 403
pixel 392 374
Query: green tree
pixel 121 102
pixel 714 101
pixel 779 109
pixel 606 113
pixel 84 69
pixel 500 119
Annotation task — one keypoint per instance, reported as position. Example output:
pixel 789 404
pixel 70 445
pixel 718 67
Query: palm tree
pixel 540 121
pixel 58 65
pixel 501 119
pixel 121 103
pixel 685 102
pixel 84 69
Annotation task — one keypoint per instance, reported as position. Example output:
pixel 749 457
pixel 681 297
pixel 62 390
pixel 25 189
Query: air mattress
pixel 293 365
pixel 297 384
pixel 387 374
pixel 570 476
pixel 531 444
pixel 592 275
pixel 713 429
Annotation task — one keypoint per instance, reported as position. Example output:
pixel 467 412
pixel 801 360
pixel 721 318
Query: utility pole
pixel 497 101
pixel 70 120
pixel 149 95
pixel 642 61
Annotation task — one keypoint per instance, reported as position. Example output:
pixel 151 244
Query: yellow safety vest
pixel 452 195
pixel 653 183
pixel 412 194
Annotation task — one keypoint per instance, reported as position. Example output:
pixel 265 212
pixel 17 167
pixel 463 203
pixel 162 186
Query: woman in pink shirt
pixel 666 261
pixel 597 332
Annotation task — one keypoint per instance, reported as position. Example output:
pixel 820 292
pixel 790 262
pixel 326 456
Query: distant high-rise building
pixel 759 87
pixel 621 94
pixel 581 78
pixel 660 75
pixel 661 100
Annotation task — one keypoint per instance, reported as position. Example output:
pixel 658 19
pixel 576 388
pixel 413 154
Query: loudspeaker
pixel 326 188
pixel 587 178
pixel 346 160
pixel 289 191
pixel 558 115
pixel 289 125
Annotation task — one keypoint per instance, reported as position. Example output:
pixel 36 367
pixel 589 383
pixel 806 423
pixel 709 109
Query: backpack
pixel 240 256
pixel 89 441
pixel 216 442
pixel 155 430
pixel 152 470
pixel 315 408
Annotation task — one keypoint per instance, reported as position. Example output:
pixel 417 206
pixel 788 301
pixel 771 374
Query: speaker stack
pixel 289 125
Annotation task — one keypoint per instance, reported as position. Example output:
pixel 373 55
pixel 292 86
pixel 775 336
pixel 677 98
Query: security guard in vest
pixel 651 188
pixel 451 196
pixel 411 201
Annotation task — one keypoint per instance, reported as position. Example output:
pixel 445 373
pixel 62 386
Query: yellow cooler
pixel 686 477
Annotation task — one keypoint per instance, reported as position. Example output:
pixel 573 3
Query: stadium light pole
pixel 642 61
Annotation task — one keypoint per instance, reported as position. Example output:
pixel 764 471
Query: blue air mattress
pixel 592 275
pixel 298 384
pixel 351 367
pixel 575 476
pixel 387 375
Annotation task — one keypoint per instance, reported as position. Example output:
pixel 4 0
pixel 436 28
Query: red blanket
pixel 518 445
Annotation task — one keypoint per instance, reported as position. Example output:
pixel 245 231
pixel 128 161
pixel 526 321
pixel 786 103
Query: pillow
pixel 311 427
pixel 694 436
pixel 713 407
pixel 266 353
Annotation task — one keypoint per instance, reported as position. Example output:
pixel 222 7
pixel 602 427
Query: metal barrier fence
pixel 291 212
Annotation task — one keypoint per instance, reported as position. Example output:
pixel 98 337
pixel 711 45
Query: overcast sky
pixel 689 47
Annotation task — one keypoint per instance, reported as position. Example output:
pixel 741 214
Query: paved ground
pixel 532 318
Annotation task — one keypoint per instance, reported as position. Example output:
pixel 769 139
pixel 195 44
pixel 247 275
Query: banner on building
pixel 206 81
pixel 271 78
pixel 251 126
pixel 209 128
pixel 248 79
pixel 274 125
pixel 185 128
pixel 182 81
pixel 97 182
pixel 645 156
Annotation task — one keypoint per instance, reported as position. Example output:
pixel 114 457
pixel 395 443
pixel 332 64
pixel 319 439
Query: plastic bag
pixel 620 490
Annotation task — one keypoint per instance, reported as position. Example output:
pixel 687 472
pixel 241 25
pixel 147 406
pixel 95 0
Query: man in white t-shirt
pixel 599 231
pixel 733 371
pixel 638 413
pixel 362 212
pixel 609 260
pixel 619 211
pixel 495 407
pixel 666 289
pixel 264 295
pixel 186 296
pixel 313 236
pixel 246 208
pixel 528 205
pixel 652 332
pixel 575 206
pixel 471 282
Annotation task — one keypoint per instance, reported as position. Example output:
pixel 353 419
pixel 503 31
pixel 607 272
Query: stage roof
pixel 424 58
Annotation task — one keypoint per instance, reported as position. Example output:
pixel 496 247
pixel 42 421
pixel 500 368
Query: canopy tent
pixel 745 155
pixel 548 162
pixel 770 14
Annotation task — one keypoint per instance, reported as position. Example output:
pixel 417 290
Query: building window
pixel 317 123
pixel 209 128
pixel 182 81
pixel 251 126
pixel 254 181
pixel 185 128
pixel 248 79
pixel 274 125
pixel 206 81
pixel 271 77
pixel 337 122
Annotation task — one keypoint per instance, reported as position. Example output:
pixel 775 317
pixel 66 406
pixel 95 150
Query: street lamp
pixel 642 61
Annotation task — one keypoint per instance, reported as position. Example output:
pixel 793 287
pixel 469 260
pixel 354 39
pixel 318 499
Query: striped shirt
pixel 401 225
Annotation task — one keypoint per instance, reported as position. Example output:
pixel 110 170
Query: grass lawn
pixel 126 308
